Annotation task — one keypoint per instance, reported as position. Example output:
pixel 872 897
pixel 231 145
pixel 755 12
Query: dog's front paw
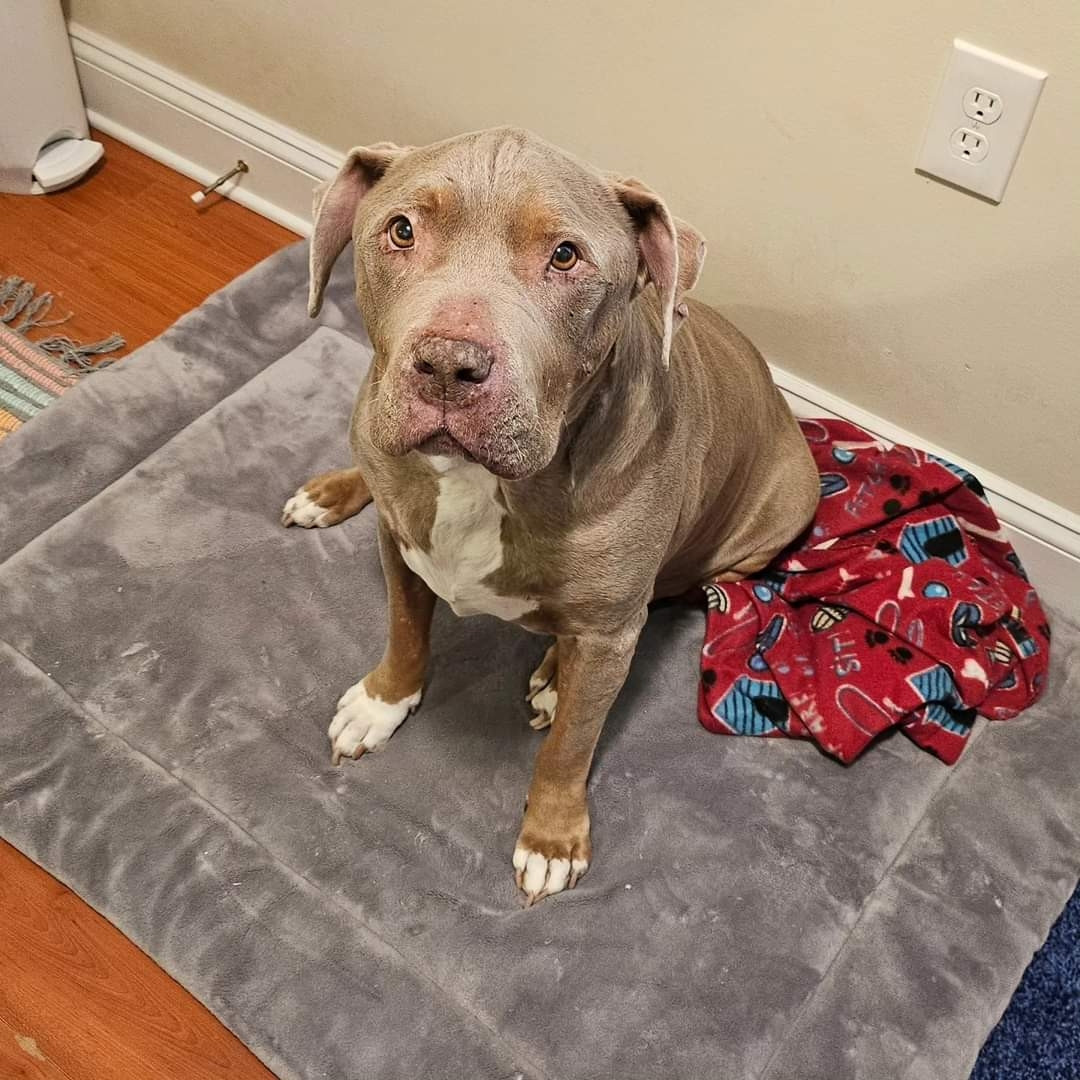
pixel 545 865
pixel 327 500
pixel 303 510
pixel 365 722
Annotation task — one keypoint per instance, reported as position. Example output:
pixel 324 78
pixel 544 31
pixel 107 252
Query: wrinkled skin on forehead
pixel 487 210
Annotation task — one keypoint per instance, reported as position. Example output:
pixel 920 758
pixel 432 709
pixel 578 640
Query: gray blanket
pixel 170 659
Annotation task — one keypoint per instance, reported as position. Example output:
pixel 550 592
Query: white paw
pixel 540 678
pixel 543 695
pixel 365 722
pixel 544 702
pixel 303 510
pixel 538 876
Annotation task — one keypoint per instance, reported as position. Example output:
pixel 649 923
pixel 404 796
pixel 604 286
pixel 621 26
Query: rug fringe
pixel 76 355
pixel 22 308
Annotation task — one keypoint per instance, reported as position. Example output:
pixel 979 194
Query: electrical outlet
pixel 969 145
pixel 980 119
pixel 982 105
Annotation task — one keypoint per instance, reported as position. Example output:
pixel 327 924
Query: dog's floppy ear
pixel 334 210
pixel 671 252
pixel 691 258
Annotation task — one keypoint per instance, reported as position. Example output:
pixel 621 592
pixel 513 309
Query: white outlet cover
pixel 1016 85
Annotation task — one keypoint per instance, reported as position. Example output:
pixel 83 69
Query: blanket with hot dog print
pixel 902 605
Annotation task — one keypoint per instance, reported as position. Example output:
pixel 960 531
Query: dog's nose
pixel 452 363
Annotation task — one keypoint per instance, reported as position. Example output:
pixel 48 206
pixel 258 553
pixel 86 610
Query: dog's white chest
pixel 466 543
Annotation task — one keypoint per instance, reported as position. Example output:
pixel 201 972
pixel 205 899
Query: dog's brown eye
pixel 564 257
pixel 401 233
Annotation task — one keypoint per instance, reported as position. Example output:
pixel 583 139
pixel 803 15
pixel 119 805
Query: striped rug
pixel 34 374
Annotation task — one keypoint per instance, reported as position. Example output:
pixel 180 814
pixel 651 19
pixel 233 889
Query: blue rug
pixel 1038 1038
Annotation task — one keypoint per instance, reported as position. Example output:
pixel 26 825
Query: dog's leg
pixel 327 499
pixel 372 710
pixel 543 695
pixel 553 849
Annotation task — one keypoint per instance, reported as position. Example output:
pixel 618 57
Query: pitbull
pixel 550 431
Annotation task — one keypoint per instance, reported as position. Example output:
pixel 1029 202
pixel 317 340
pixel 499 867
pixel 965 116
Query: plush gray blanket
pixel 170 659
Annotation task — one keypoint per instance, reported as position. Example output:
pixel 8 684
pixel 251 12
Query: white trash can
pixel 45 142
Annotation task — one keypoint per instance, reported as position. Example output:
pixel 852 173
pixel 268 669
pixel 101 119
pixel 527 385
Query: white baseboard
pixel 201 133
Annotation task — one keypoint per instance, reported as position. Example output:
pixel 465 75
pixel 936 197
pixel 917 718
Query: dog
pixel 551 432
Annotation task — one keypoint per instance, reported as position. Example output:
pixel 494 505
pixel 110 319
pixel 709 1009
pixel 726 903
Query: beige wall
pixel 786 131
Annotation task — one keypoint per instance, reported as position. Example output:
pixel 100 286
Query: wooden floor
pixel 124 250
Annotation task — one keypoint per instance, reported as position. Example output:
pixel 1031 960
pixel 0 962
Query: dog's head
pixel 494 273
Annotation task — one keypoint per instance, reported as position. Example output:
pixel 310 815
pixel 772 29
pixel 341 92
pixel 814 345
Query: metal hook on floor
pixel 236 170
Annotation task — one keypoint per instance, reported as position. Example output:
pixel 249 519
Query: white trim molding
pixel 201 133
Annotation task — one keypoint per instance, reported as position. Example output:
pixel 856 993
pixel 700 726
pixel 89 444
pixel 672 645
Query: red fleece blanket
pixel 901 606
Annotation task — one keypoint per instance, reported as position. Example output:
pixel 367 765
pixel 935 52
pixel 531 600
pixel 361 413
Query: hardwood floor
pixel 78 1000
pixel 124 250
